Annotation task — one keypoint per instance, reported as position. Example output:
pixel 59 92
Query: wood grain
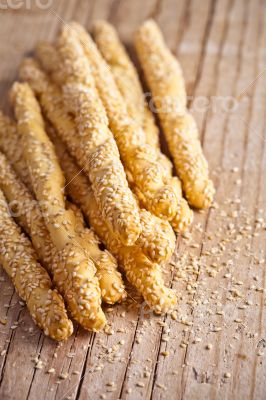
pixel 214 346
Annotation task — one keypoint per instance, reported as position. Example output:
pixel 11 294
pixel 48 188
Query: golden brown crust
pixel 9 137
pixel 128 83
pixel 49 59
pixel 97 150
pixel 31 281
pixel 127 80
pixel 147 172
pixel 144 274
pixel 161 244
pixel 26 212
pixel 165 78
pixel 110 279
pixel 74 271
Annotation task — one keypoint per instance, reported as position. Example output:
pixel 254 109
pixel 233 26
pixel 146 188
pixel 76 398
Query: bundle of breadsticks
pixel 86 193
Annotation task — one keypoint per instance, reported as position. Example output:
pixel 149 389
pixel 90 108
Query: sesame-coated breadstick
pixel 128 82
pixel 125 75
pixel 78 283
pixel 29 217
pixel 154 193
pixel 97 150
pixel 49 58
pixel 45 52
pixel 123 71
pixel 140 159
pixel 156 239
pixel 30 279
pixel 140 271
pixel 9 138
pixel 164 77
pixel 26 211
pixel 110 279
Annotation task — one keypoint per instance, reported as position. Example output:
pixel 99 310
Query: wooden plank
pixel 172 20
pixel 257 389
pixel 105 9
pixel 130 14
pixel 215 44
pixel 192 47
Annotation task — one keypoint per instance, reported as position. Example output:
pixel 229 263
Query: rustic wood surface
pixel 214 345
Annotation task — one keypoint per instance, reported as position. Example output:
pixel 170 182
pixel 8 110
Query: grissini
pixel 28 215
pixel 148 173
pixel 165 79
pixel 9 137
pixel 139 159
pixel 97 152
pixel 125 75
pixel 140 271
pixel 110 279
pixel 127 80
pixel 30 279
pixel 183 217
pixel 26 212
pixel 156 239
pixel 72 264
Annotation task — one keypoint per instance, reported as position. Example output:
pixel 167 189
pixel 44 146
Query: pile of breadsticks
pixel 84 186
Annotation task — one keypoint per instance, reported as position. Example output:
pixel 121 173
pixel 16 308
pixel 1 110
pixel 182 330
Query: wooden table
pixel 214 346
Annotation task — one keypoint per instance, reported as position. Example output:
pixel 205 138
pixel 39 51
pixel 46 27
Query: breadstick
pixel 124 74
pixel 126 78
pixel 157 192
pixel 29 217
pixel 156 239
pixel 144 274
pixel 46 52
pixel 184 215
pixel 48 57
pixel 138 157
pixel 140 271
pixel 76 272
pixel 164 76
pixel 26 212
pixel 97 151
pixel 110 279
pixel 122 70
pixel 128 82
pixel 9 137
pixel 31 281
